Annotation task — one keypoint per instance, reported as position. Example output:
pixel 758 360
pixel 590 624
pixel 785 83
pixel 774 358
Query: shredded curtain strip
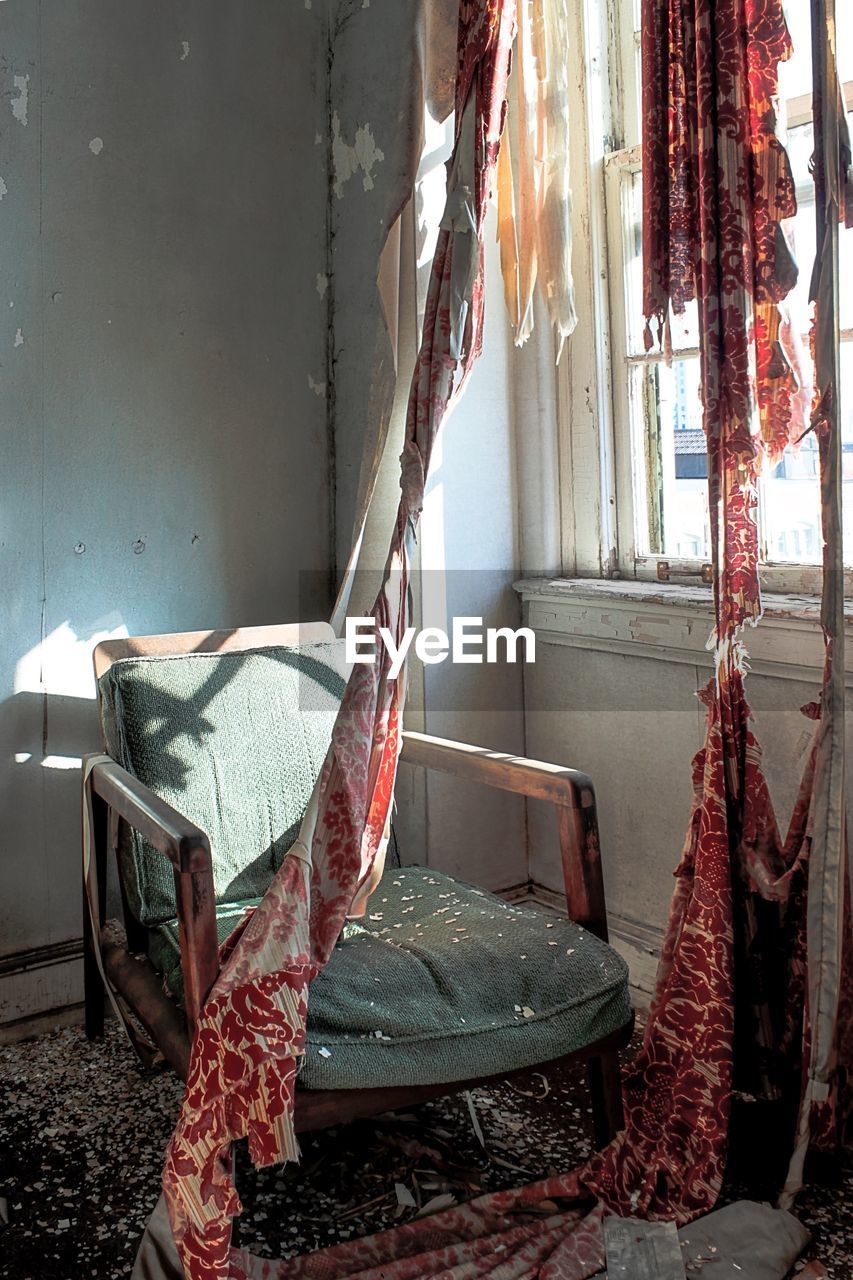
pixel 252 1029
pixel 534 212
pixel 740 1003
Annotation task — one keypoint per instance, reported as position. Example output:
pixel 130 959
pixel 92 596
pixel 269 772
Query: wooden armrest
pixel 181 841
pixel 569 790
pixel 533 778
pixel 188 849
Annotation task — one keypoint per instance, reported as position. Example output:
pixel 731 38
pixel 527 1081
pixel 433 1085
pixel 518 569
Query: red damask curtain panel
pixel 773 938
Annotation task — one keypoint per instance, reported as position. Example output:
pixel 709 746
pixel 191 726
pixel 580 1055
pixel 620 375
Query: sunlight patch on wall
pixel 62 662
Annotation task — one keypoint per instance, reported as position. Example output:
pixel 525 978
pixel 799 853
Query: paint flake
pixel 185 50
pixel 348 159
pixel 19 338
pixel 20 105
pixel 96 146
pixel 319 388
pixel 322 279
pixel 4 190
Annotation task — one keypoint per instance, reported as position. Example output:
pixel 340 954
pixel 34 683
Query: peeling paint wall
pixel 164 449
pixel 373 126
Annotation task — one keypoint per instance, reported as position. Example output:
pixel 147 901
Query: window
pixel 662 505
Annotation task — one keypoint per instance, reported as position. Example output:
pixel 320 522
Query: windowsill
pixel 671 622
pixel 679 594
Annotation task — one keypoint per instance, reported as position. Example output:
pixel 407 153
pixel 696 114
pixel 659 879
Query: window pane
pixel 795 75
pixel 671 457
pixel 791 492
pixel 790 504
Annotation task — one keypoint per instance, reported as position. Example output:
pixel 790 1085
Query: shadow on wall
pixel 241 763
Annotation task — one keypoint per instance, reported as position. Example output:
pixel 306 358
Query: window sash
pixel 632 489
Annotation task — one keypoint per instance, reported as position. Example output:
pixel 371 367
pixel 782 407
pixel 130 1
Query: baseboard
pixel 515 893
pixel 40 988
pixel 40 1024
pixel 638 943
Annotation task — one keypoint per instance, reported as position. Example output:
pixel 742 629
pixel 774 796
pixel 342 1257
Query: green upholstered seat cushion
pixel 443 982
pixel 235 742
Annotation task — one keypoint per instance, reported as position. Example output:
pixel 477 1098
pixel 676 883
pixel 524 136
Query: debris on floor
pixel 82 1136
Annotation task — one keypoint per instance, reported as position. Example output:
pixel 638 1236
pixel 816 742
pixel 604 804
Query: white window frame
pixel 596 377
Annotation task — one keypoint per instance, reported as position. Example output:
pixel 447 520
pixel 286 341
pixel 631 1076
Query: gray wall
pixel 163 224
pixel 632 721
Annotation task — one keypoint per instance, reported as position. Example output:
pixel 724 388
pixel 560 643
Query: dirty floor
pixel 82 1137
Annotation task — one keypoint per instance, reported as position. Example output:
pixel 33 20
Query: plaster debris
pixel 185 50
pixel 104 1118
pixel 20 104
pixel 318 138
pixel 4 190
pixel 19 338
pixel 404 1196
pixel 322 283
pixel 365 4
pixel 96 146
pixel 319 388
pixel 348 159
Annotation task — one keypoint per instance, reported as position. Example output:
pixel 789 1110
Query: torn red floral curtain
pixel 717 192
pixel 252 1029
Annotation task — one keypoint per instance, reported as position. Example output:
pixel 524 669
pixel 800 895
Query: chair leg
pixel 605 1085
pixel 93 986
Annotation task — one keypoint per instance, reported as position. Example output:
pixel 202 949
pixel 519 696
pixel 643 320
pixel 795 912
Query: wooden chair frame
pixel 113 794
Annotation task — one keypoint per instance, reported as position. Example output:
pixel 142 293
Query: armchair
pixel 386 1027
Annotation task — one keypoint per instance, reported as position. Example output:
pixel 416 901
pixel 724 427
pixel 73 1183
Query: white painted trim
pixel 672 624
pixel 584 385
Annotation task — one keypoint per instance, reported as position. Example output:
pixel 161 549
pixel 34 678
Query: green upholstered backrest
pixel 235 742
